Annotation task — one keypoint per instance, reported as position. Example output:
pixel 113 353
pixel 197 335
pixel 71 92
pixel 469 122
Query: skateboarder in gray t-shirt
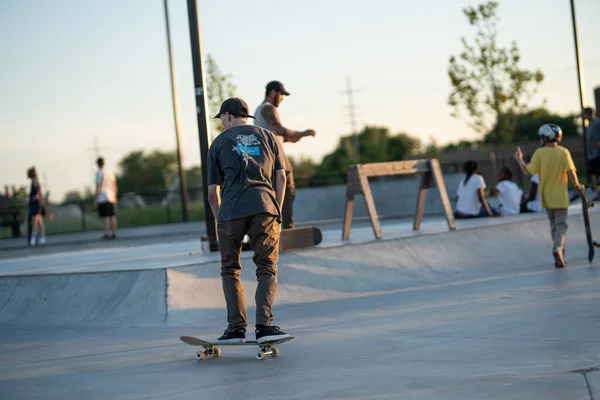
pixel 248 165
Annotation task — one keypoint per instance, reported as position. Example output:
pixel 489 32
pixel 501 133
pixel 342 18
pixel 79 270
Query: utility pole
pixel 174 96
pixel 581 90
pixel 352 113
pixel 202 114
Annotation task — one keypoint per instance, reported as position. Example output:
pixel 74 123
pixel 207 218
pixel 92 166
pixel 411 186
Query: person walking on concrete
pixel 593 146
pixel 36 210
pixel 268 118
pixel 246 185
pixel 106 198
pixel 554 164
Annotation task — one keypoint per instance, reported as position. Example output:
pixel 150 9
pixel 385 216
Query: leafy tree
pixel 487 80
pixel 376 145
pixel 72 197
pixel 140 172
pixel 432 150
pixel 193 177
pixel 463 144
pixel 528 123
pixel 76 197
pixel 219 88
pixel 304 170
pixel 20 195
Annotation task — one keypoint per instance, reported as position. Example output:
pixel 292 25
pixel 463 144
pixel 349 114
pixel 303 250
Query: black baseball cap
pixel 278 86
pixel 236 107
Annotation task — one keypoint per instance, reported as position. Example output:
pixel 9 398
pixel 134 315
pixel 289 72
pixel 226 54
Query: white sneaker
pixel 42 240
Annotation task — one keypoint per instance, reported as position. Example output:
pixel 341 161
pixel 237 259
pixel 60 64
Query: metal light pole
pixel 202 114
pixel 581 89
pixel 182 180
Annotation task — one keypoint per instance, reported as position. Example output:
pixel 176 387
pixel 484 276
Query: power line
pixel 352 114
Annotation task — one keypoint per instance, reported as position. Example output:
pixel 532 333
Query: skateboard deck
pixel 211 349
pixel 297 238
pixel 585 205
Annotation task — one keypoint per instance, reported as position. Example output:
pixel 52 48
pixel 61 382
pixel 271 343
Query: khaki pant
pixel 263 230
pixel 558 226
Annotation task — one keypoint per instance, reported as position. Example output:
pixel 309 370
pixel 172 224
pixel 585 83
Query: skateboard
pixel 211 349
pixel 297 238
pixel 585 205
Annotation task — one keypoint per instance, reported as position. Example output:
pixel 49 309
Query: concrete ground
pixel 480 313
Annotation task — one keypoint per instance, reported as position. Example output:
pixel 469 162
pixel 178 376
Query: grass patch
pixel 127 217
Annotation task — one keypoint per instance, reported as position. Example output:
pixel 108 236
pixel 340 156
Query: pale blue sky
pixel 73 70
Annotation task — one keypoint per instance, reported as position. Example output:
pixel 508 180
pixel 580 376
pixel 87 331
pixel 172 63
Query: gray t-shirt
pixel 243 161
pixel 593 135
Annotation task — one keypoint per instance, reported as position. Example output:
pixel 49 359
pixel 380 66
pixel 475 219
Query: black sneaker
pixel 269 333
pixel 236 336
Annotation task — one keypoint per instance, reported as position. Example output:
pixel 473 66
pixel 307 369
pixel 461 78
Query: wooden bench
pixel 358 183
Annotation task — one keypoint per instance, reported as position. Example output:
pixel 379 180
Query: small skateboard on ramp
pixel 297 238
pixel 212 349
pixel 585 205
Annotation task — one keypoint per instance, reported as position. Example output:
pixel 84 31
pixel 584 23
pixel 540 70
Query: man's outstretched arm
pixel 270 114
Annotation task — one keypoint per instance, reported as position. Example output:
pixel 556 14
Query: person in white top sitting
pixel 470 201
pixel 533 202
pixel 106 198
pixel 509 193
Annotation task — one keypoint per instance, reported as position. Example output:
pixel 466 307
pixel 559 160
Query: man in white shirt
pixel 510 194
pixel 106 198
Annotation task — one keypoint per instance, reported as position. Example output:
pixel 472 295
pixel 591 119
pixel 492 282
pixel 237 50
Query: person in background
pixel 533 202
pixel 106 198
pixel 509 193
pixel 470 198
pixel 555 166
pixel 36 210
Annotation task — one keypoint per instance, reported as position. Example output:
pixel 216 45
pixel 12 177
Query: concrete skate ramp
pixel 192 296
pixel 382 267
pixel 126 298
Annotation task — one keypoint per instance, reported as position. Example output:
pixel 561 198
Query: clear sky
pixel 75 70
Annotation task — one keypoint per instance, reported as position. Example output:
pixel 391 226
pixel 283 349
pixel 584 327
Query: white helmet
pixel 551 132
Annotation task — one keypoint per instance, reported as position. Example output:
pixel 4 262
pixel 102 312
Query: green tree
pixel 219 88
pixel 20 196
pixel 304 171
pixel 72 197
pixel 487 80
pixel 376 145
pixel 193 177
pixel 463 144
pixel 76 197
pixel 140 172
pixel 432 150
pixel 528 123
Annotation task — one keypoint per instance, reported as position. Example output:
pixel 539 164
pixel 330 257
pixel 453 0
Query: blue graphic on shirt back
pixel 250 150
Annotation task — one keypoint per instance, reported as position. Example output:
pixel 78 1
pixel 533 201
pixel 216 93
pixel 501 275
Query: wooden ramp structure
pixel 358 183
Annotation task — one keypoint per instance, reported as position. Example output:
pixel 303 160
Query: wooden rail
pixel 358 183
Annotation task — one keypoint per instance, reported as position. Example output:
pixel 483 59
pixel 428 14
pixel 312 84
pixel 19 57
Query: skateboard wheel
pixel 217 352
pixel 260 356
pixel 200 355
pixel 275 352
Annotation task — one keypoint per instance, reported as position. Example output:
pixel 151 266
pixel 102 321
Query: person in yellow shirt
pixel 554 165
